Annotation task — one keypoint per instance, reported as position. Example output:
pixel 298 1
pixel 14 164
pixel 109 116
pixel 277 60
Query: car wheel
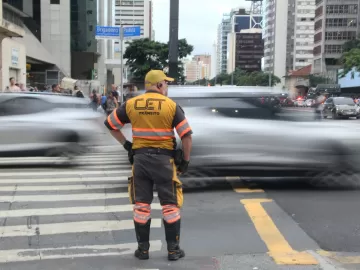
pixel 341 172
pixel 334 115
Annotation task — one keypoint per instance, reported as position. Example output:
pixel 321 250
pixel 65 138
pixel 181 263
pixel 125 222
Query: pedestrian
pixel 55 88
pixel 13 85
pixel 153 117
pixel 95 100
pixel 111 103
pixel 319 105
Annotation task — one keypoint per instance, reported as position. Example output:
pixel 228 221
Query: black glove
pixel 131 157
pixel 127 145
pixel 183 166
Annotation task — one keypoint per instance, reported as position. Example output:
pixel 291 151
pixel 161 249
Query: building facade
pixel 240 21
pixel 198 68
pixel 249 50
pixel 55 32
pixel 46 39
pixel 128 13
pixel 12 52
pixel 223 30
pixel 336 22
pixel 288 35
pixel 84 54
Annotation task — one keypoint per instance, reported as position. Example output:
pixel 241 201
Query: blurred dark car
pixel 340 107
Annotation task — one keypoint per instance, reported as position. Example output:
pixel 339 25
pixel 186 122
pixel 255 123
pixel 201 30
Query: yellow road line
pixel 339 258
pixel 242 189
pixel 247 190
pixel 279 249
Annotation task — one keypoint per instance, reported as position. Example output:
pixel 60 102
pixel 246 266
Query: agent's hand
pixel 183 166
pixel 127 146
pixel 131 157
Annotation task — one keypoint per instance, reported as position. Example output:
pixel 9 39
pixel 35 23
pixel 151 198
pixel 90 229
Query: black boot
pixel 142 236
pixel 172 233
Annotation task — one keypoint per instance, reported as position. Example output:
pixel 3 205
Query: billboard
pixel 352 79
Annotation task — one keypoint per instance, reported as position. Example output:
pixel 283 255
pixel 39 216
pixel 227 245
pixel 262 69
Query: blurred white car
pixel 43 124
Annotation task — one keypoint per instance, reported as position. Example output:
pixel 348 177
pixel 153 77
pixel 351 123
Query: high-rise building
pixel 205 60
pixel 133 12
pixel 288 35
pixel 198 68
pixel 223 31
pixel 233 22
pixel 249 50
pixel 336 22
pixel 128 13
pixel 46 27
pixel 240 20
pixel 83 43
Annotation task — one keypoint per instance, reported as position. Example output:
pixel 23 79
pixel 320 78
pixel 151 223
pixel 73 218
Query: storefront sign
pixel 14 56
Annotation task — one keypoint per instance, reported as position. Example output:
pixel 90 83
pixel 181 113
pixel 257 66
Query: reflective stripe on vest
pixel 153 134
pixel 183 128
pixel 114 121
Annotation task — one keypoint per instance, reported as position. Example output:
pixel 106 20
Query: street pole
pixel 121 63
pixel 174 39
pixel 270 82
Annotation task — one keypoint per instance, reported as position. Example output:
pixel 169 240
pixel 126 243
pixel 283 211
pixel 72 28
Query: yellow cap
pixel 156 76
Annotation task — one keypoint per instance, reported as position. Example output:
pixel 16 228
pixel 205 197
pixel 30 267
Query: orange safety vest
pixel 151 116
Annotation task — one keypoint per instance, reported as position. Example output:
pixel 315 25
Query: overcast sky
pixel 198 21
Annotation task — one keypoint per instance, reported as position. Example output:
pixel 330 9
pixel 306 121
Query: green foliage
pixel 350 60
pixel 142 55
pixel 314 80
pixel 242 78
pixel 351 44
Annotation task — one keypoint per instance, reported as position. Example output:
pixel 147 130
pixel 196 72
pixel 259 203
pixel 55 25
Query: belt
pixel 154 151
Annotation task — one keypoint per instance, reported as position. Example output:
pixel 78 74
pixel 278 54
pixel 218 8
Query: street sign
pixel 107 32
pixel 131 31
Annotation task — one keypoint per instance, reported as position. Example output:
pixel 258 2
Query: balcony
pixel 11 22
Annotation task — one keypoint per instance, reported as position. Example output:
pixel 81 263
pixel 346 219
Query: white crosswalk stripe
pixel 86 202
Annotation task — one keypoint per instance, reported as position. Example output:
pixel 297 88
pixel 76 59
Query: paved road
pixel 80 219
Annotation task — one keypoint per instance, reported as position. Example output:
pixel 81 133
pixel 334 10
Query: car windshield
pixel 343 101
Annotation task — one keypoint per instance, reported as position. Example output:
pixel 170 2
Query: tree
pixel 351 44
pixel 242 78
pixel 350 60
pixel 314 80
pixel 143 55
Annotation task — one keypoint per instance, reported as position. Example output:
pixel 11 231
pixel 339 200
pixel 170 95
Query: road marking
pixel 72 227
pixel 339 258
pixel 23 255
pixel 72 210
pixel 241 189
pixel 68 172
pixel 247 190
pixel 64 187
pixel 324 263
pixel 279 249
pixel 67 197
pixel 65 180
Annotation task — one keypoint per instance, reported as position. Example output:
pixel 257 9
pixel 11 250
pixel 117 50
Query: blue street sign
pixel 132 31
pixel 107 32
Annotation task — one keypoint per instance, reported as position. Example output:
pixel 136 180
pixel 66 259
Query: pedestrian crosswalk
pixel 60 213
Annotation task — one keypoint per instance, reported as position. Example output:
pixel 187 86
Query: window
pixel 23 105
pixel 54 2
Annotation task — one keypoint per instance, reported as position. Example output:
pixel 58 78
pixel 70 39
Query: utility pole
pixel 174 39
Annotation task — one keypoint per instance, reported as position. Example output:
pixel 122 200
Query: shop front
pixel 13 58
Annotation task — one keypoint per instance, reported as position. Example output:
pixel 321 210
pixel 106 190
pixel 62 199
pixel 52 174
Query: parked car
pixel 37 124
pixel 340 107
